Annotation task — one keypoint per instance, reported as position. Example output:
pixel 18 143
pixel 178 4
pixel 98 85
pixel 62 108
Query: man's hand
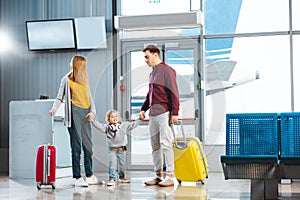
pixel 142 115
pixel 174 119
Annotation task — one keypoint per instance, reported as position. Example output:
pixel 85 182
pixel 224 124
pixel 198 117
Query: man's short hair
pixel 152 49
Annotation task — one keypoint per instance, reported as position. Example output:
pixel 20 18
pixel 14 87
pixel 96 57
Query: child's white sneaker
pixel 111 183
pixel 124 180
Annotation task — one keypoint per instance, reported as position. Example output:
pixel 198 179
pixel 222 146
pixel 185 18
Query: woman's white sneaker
pixel 80 182
pixel 92 180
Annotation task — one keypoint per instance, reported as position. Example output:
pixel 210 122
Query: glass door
pixel 183 56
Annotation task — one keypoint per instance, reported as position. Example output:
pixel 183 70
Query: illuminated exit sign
pixel 154 1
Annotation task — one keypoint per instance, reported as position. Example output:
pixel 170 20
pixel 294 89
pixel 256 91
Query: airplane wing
pixel 218 75
pixel 220 70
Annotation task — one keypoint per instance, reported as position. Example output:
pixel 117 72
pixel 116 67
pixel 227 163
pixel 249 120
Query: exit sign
pixel 154 1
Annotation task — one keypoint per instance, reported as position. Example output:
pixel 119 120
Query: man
pixel 163 101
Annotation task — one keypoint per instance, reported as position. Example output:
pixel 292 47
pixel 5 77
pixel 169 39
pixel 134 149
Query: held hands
pixel 52 112
pixel 142 115
pixel 90 117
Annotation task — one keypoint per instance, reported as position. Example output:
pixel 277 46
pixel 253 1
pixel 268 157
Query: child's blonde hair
pixel 109 113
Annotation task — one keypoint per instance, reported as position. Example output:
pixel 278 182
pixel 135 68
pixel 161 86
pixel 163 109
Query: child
pixel 116 134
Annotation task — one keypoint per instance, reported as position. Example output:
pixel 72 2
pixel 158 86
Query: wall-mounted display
pixel 51 34
pixel 90 32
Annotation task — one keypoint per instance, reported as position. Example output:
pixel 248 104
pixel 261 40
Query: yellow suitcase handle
pixel 176 144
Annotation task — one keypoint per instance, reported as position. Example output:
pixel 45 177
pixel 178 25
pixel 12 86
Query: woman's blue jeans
pixel 116 157
pixel 81 139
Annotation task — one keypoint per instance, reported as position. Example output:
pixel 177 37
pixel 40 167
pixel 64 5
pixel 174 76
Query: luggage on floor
pixel 189 158
pixel 46 164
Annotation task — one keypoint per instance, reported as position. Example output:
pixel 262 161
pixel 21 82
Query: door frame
pixel 173 43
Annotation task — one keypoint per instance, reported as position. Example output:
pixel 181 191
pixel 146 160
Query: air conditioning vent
pixel 174 20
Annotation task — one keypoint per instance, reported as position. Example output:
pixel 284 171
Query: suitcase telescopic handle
pixel 52 129
pixel 176 144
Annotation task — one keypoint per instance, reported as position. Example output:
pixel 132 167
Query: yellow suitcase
pixel 189 159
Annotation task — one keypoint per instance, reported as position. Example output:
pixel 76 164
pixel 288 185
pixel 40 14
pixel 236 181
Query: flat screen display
pixel 90 32
pixel 51 34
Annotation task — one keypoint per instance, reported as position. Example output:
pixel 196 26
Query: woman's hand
pixel 90 117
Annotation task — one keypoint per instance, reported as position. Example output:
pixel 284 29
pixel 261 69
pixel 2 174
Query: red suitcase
pixel 45 172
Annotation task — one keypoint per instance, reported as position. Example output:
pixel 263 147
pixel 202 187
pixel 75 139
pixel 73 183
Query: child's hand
pixel 52 112
pixel 90 117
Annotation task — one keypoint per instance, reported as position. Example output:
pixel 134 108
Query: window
pixel 245 16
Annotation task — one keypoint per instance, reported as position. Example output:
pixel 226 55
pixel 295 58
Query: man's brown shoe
pixel 154 181
pixel 167 182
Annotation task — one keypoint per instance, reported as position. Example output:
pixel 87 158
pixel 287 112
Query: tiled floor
pixel 214 188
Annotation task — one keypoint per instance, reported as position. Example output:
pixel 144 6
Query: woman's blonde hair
pixel 109 113
pixel 78 71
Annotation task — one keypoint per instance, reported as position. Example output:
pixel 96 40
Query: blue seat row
pixel 257 134
pixel 263 147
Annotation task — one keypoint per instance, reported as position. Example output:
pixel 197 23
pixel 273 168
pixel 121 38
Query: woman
pixel 79 105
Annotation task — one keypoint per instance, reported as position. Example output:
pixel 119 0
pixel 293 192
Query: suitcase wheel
pixel 179 181
pixel 53 185
pixel 38 185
